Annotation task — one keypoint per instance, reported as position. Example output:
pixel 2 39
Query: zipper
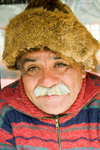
pixel 56 121
pixel 57 127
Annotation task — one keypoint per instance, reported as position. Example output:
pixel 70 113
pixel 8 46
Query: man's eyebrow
pixel 25 60
pixel 56 57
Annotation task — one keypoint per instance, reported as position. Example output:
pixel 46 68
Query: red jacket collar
pixel 21 102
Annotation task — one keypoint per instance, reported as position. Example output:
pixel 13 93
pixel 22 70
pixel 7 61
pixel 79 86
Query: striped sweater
pixel 24 127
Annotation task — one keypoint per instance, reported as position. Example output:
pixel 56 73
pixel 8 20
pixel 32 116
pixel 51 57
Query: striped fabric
pixel 24 127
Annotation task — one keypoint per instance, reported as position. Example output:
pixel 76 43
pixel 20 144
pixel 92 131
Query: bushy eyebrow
pixel 57 57
pixel 25 60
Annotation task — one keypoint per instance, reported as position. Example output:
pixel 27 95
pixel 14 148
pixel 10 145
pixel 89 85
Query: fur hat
pixel 52 24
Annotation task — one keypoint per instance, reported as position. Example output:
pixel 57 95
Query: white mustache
pixel 58 89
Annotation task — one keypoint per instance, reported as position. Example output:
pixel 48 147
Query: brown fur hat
pixel 52 24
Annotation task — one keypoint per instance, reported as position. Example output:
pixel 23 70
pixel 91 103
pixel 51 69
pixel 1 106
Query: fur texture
pixel 54 26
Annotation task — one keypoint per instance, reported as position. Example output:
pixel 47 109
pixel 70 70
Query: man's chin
pixel 54 112
pixel 52 104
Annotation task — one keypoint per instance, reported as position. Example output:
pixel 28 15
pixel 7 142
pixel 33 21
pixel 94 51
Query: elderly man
pixel 55 104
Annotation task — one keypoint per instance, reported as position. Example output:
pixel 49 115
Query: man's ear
pixel 83 73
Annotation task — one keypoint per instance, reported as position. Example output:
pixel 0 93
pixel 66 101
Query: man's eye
pixel 60 65
pixel 32 69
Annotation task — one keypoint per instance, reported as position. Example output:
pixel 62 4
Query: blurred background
pixel 87 12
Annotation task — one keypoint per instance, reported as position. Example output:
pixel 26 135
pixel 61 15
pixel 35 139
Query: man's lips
pixel 51 96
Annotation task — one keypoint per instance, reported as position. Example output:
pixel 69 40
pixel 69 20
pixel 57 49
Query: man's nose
pixel 48 78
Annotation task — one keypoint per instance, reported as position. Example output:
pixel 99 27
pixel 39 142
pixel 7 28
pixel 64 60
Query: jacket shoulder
pixel 95 78
pixel 8 91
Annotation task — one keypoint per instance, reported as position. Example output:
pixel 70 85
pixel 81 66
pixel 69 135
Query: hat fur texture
pixel 52 24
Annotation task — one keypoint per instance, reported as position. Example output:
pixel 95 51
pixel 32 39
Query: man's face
pixel 47 69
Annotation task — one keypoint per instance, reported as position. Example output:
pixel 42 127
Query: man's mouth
pixel 51 96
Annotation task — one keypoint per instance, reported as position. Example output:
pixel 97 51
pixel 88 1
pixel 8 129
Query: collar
pixel 21 102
